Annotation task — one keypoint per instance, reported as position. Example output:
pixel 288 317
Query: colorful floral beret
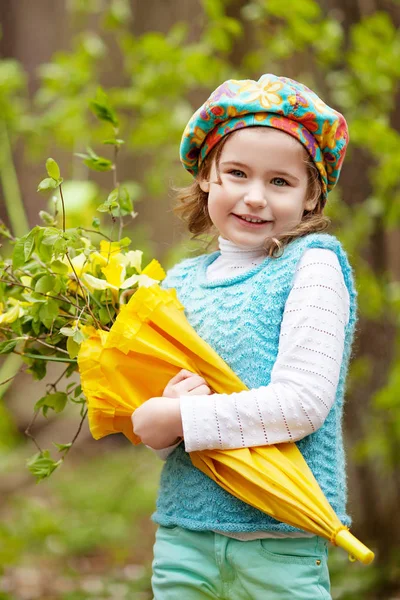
pixel 272 101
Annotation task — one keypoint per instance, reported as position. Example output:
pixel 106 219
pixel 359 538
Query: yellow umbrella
pixel 150 341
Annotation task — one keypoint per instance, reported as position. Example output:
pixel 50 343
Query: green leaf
pixel 105 315
pixel 51 235
pixel 16 326
pixel 48 312
pixel 55 401
pixel 41 465
pixel 59 267
pixel 107 207
pixel 104 113
pixel 113 196
pixel 96 162
pixel 18 257
pixel 73 368
pixel 46 217
pixel 78 390
pixel 7 346
pixel 29 244
pixel 67 331
pixel 78 336
pixel 45 284
pixel 60 246
pixel 53 170
pixel 63 447
pixel 44 251
pixel 36 326
pixel 114 142
pixel 51 239
pixel 72 347
pixel 38 368
pixel 99 164
pixel 124 242
pixel 125 201
pixel 5 232
pixel 47 184
pixel 102 109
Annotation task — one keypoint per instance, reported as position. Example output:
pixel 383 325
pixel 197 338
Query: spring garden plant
pixel 59 286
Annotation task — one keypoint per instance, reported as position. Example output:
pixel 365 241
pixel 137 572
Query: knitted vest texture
pixel 240 318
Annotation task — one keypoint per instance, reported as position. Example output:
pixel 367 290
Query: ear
pixel 310 204
pixel 204 185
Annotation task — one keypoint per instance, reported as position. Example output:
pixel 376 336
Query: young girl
pixel 277 302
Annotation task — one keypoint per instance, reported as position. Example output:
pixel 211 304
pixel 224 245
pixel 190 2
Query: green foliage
pixel 41 465
pixel 53 170
pixel 59 286
pixel 95 162
pixel 56 401
pixel 165 76
pixel 102 109
pixel 80 523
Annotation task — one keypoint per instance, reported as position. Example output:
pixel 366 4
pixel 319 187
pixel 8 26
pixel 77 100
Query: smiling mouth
pixel 251 220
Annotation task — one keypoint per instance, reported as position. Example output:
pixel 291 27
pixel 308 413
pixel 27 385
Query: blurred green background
pixel 85 533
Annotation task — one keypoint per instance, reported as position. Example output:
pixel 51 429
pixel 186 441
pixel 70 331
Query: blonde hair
pixel 191 206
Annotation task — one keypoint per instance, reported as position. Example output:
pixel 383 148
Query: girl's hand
pixel 158 422
pixel 186 383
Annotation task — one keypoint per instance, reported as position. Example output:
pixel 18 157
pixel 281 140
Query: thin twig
pixel 54 385
pixel 28 431
pixel 12 377
pixel 115 177
pixel 94 231
pixel 85 297
pixel 63 298
pixel 6 232
pixel 49 345
pixel 108 310
pixel 79 430
pixel 63 208
pixel 75 436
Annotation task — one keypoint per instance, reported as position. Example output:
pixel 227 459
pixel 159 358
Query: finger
pixel 181 376
pixel 201 390
pixel 189 384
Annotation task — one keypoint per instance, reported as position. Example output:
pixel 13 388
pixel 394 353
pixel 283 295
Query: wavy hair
pixel 191 207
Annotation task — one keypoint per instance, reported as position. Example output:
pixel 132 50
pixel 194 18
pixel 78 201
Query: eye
pixel 279 181
pixel 237 173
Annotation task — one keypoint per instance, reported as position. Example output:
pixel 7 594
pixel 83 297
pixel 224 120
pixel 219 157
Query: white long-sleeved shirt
pixel 306 372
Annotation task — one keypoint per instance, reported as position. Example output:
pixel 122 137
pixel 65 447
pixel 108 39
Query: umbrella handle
pixel 354 547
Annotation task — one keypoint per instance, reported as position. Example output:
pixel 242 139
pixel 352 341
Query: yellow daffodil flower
pixel 115 274
pixel 80 263
pixel 113 264
pixel 16 312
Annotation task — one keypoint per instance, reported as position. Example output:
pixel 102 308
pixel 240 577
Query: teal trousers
pixel 200 565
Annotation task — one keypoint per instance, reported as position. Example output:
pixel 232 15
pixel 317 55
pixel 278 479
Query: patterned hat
pixel 272 101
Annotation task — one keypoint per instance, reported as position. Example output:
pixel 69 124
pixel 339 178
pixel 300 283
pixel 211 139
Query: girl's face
pixel 263 178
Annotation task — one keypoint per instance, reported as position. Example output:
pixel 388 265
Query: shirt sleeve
pixel 304 378
pixel 163 453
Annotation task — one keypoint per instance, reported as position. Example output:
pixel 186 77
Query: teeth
pixel 252 220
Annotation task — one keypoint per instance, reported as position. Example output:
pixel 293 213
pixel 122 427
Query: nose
pixel 256 196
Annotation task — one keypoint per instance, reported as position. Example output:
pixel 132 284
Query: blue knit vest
pixel 240 318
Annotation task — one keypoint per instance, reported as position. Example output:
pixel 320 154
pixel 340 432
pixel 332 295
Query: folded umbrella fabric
pixel 150 341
